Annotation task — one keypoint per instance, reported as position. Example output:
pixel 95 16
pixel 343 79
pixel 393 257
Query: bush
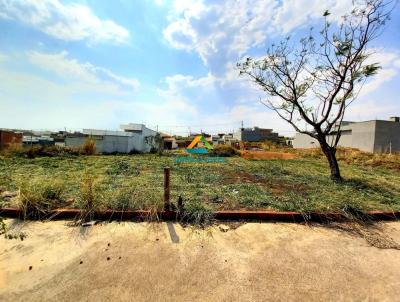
pixel 89 147
pixel 224 151
pixel 38 151
pixel 36 198
pixel 13 149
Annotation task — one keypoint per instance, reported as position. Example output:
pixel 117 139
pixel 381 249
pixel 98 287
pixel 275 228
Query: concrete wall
pixel 112 143
pixel 304 141
pixel 369 136
pixel 387 133
pixel 360 136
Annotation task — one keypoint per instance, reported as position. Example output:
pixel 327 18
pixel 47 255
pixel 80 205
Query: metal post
pixel 166 188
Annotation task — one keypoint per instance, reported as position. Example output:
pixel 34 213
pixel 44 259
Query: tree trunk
pixel 330 153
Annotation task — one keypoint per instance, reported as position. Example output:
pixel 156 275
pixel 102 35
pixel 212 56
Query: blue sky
pixel 171 64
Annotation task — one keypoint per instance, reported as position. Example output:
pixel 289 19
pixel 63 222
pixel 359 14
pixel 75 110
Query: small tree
pixel 314 82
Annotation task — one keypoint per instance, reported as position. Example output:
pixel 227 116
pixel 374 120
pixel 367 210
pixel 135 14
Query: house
pixel 376 136
pixel 9 137
pixel 256 134
pixel 218 139
pixel 133 138
pixel 169 142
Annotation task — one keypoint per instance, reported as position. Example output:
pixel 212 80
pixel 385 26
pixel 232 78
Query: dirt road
pixel 165 262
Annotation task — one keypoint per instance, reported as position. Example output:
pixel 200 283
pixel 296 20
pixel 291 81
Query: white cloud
pixel 71 69
pixel 159 2
pixel 388 61
pixel 294 13
pixel 221 31
pixel 66 92
pixel 214 104
pixel 361 111
pixel 70 22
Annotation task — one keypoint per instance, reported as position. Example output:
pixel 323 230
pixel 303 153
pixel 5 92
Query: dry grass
pixel 89 147
pixel 355 156
pixel 224 151
pixel 36 198
pixel 89 199
pixel 136 182
pixel 265 155
pixel 12 149
pixel 17 150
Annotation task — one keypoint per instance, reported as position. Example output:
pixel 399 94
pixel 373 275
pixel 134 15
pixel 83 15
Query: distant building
pixel 218 139
pixel 44 140
pixel 169 142
pixel 256 134
pixel 377 136
pixel 134 138
pixel 9 137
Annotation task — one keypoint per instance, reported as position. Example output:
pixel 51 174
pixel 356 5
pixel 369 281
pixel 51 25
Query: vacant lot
pixel 136 182
pixel 165 262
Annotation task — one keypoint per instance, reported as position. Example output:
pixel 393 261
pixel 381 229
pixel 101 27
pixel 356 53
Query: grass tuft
pixel 122 167
pixel 36 198
pixel 89 198
pixel 198 213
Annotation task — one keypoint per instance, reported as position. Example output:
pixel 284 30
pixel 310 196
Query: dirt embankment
pixel 265 155
pixel 165 262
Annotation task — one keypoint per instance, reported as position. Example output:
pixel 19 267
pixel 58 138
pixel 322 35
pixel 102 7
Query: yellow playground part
pixel 194 142
pixel 197 139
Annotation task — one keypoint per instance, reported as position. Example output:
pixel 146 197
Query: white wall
pixel 304 141
pixel 114 143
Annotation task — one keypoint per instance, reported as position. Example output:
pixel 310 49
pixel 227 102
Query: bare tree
pixel 313 83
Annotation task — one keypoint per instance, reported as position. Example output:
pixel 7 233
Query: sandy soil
pixel 267 155
pixel 165 262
